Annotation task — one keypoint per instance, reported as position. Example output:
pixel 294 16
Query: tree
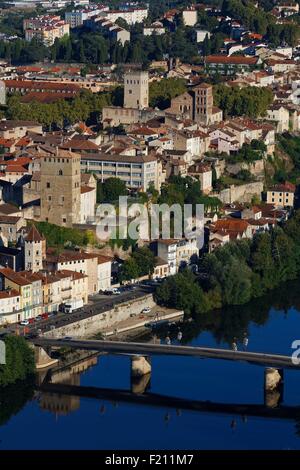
pixel 19 361
pixel 111 189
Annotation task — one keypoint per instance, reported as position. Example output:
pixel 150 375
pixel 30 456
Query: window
pixel 130 92
pixel 64 220
pixel 49 198
pixel 60 172
pixel 48 185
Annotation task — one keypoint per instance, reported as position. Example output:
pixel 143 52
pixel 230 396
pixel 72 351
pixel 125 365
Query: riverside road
pixel 98 304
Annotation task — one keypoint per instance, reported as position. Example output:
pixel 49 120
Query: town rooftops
pixel 238 60
pixel 6 294
pixel 12 124
pixel 117 158
pixel 284 188
pixel 14 277
pixel 8 219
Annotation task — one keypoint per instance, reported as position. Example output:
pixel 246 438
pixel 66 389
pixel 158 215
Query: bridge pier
pixel 140 385
pixel 273 387
pixel 42 359
pixel 140 366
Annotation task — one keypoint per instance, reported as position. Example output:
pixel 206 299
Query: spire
pixel 34 235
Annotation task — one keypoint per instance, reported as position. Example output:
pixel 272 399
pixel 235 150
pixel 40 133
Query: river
pixel 34 420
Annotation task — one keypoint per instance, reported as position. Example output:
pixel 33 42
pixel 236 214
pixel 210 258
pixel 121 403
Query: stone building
pixel 34 250
pixel 136 89
pixel 60 188
pixel 197 104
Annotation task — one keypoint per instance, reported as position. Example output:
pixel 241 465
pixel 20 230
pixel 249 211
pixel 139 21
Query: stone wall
pixel 94 324
pixel 256 168
pixel 241 193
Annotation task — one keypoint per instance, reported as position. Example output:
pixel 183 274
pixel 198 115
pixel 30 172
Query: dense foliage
pixel 83 107
pixel 110 190
pixel 238 271
pixel 249 101
pixel 291 146
pixel 63 236
pixel 19 361
pixel 140 263
pixel 161 92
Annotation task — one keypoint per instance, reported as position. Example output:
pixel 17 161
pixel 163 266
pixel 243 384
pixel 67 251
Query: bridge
pixel 148 349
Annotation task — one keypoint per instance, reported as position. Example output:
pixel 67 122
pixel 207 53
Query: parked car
pixel 31 320
pixel 24 322
pixel 38 318
pixel 146 310
pixel 45 316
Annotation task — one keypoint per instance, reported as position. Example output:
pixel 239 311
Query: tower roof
pixel 34 235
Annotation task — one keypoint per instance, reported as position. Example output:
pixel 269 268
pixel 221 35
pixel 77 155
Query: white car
pixel 24 322
pixel 146 310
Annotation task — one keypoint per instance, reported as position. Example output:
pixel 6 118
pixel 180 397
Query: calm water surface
pixel 30 420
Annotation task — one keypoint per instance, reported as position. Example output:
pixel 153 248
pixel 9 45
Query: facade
pixel 60 188
pixel 230 65
pixel 190 16
pixel 45 28
pixel 197 104
pixel 87 204
pixel 136 89
pixel 104 272
pixel 9 227
pixel 138 172
pixel 108 28
pixel 34 250
pixel 10 301
pixel 282 195
pixel 280 115
pixel 76 18
pixel 130 15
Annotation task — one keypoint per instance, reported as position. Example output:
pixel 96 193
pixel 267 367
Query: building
pixel 2 92
pixel 130 15
pixel 9 227
pixel 14 129
pixel 138 172
pixel 190 16
pixel 197 104
pixel 42 87
pixel 104 272
pixel 176 253
pixel 83 263
pixel 87 204
pixel 282 195
pixel 45 28
pixel 9 279
pixel 76 18
pixel 34 250
pixel 230 65
pixel 136 89
pixel 280 115
pixel 108 28
pixel 10 302
pixel 155 28
pixel 203 173
pixel 61 188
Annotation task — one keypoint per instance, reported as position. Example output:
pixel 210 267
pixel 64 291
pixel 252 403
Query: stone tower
pixel 203 104
pixel 136 89
pixel 60 188
pixel 34 250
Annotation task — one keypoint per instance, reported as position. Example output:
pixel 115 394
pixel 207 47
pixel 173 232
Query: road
pixel 118 347
pixel 98 303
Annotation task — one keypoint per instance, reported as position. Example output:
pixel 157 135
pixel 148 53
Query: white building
pixel 201 35
pixel 87 204
pixel 104 272
pixel 10 302
pixel 76 18
pixel 131 15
